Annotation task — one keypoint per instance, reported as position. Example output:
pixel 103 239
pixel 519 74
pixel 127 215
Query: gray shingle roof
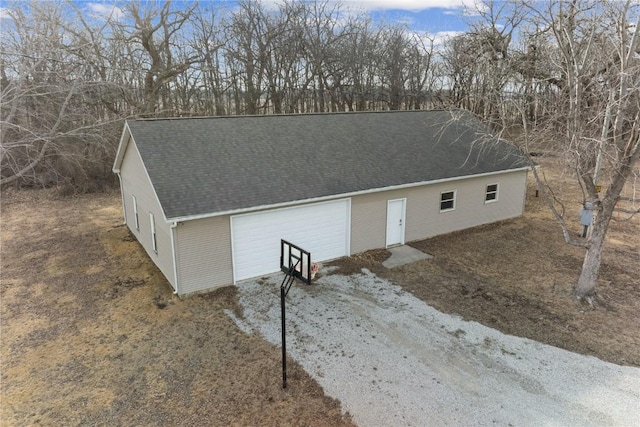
pixel 201 166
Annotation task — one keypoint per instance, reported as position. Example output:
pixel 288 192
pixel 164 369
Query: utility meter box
pixel 586 214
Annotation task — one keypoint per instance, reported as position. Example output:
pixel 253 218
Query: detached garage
pixel 210 198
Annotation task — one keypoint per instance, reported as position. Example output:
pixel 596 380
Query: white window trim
pixel 135 212
pixel 154 241
pixel 453 208
pixel 486 193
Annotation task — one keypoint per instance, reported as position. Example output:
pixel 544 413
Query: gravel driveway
pixel 392 360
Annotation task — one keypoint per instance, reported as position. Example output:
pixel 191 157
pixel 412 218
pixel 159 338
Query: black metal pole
pixel 284 339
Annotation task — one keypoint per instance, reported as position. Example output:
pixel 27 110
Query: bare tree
pixel 53 130
pixel 480 62
pixel 618 150
pixel 420 57
pixel 157 31
pixel 357 59
pixel 207 41
pixel 322 37
pixel 249 44
pixel 394 52
pixel 459 59
pixel 598 74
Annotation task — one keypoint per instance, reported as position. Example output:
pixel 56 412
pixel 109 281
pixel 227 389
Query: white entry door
pixel 321 228
pixel 395 222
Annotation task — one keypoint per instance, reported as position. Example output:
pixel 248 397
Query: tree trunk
pixel 586 287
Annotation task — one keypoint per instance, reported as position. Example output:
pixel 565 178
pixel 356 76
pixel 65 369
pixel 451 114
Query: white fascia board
pixel 174 257
pixel 124 210
pixel 122 147
pixel 339 196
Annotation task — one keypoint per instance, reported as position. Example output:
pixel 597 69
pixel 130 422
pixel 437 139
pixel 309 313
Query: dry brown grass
pixel 92 334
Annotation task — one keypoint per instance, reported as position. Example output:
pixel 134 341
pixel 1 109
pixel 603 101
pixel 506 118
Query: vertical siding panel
pixel 203 250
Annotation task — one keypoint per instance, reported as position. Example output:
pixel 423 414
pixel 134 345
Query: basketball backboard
pixel 295 259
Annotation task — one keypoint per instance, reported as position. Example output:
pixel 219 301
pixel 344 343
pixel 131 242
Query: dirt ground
pixel 91 333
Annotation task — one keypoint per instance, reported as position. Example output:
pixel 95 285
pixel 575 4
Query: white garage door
pixel 320 228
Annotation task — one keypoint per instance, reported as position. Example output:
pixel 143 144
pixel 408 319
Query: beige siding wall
pixel 136 183
pixel 423 216
pixel 203 247
pixel 203 250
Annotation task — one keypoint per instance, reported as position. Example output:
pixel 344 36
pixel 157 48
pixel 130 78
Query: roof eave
pixel 337 196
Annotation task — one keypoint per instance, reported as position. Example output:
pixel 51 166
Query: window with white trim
pixel 447 201
pixel 154 242
pixel 491 193
pixel 135 212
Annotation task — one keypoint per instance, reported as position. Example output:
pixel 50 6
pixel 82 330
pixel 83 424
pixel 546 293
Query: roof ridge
pixel 317 113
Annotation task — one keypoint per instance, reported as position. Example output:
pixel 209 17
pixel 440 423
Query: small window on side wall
pixel 491 194
pixel 135 213
pixel 447 201
pixel 154 242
